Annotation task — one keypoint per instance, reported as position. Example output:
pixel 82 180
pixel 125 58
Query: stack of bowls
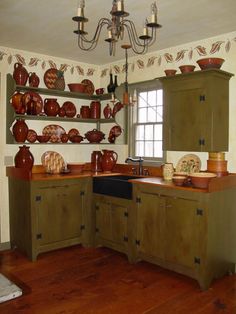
pixel 217 164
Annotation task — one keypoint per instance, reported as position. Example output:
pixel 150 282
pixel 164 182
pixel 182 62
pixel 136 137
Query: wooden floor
pixel 78 280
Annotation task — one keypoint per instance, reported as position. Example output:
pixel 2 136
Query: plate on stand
pixel 189 163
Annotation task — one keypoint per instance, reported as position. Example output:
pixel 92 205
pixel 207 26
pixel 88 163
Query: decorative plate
pixel 73 132
pixel 69 109
pixel 53 162
pixel 36 97
pixel 89 89
pixel 189 163
pixel 50 77
pixel 31 136
pixel 55 131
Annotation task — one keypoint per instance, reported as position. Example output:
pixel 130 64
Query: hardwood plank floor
pixel 80 280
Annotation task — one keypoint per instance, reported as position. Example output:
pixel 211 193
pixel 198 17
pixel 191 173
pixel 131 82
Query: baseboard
pixel 5 246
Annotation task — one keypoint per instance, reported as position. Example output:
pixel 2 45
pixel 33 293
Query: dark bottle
pixel 115 83
pixel 111 85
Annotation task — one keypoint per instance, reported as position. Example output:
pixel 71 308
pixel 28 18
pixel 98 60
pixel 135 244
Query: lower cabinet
pixel 46 215
pixel 185 231
pixel 111 221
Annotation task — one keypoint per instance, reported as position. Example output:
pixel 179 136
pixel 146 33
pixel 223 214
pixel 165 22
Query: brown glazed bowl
pixel 43 138
pixel 170 72
pixel 77 87
pixel 179 180
pixel 187 68
pixel 94 136
pixel 201 179
pixel 210 63
pixel 100 91
pixel 76 139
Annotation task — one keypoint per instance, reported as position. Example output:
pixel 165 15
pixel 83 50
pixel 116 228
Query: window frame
pixel 145 86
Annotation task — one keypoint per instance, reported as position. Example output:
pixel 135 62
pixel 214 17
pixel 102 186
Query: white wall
pixel 141 68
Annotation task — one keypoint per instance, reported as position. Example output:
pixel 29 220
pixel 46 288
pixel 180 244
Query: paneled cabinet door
pixel 182 232
pixel 111 221
pixel 59 213
pixel 151 225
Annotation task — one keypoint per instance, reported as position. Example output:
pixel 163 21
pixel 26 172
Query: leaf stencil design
pixel 52 64
pixel 168 57
pixel 190 54
pixel 140 64
pixel 20 59
pixel 2 54
pixel 116 69
pixel 180 55
pixel 43 65
pixel 9 59
pixel 33 62
pixel 90 72
pixel 72 70
pixel 80 70
pixel 104 72
pixel 63 67
pixel 201 50
pixel 228 46
pixel 151 61
pixel 159 60
pixel 133 67
pixel 216 46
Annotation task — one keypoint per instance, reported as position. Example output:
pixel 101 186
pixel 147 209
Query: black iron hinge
pixel 97 207
pixel 202 98
pixel 138 199
pixel 38 198
pixel 82 193
pixel 199 211
pixel 82 227
pixel 137 242
pixel 201 141
pixel 126 214
pixel 125 238
pixel 197 260
pixel 97 229
pixel 39 236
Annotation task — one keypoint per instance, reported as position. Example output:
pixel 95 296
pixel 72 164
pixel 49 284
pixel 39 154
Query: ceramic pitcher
pixel 109 159
pixel 168 171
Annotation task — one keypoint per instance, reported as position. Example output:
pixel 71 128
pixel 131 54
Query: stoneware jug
pixel 20 74
pixel 109 159
pixel 168 171
pixel 33 79
pixel 51 106
pixel 24 158
pixel 20 130
pixel 96 161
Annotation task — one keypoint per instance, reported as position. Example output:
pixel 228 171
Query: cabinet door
pixel 59 213
pixel 150 225
pixel 181 235
pixel 111 221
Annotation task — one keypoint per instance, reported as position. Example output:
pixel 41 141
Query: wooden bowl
pixel 210 63
pixel 77 87
pixel 170 72
pixel 179 180
pixel 201 179
pixel 187 68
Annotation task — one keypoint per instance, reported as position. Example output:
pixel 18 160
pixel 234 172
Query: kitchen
pixel 145 67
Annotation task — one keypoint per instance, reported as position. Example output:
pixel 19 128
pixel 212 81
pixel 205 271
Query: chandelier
pixel 116 27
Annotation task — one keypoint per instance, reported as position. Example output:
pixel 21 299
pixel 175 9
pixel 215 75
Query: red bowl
pixel 187 68
pixel 170 72
pixel 43 138
pixel 77 87
pixel 99 91
pixel 210 63
pixel 76 139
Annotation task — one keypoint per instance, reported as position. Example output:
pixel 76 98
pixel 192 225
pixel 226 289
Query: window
pixel 147 122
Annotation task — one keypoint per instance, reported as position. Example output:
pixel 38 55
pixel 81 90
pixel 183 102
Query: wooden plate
pixel 53 162
pixel 89 89
pixel 55 132
pixel 50 77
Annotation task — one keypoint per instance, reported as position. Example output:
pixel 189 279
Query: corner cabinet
pixel 47 215
pixel 11 116
pixel 196 111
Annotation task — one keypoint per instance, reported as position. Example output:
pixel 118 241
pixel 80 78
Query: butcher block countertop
pixel 83 170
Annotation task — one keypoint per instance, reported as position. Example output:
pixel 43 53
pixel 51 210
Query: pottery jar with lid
pixel 96 161
pixel 20 130
pixel 33 79
pixel 24 158
pixel 51 107
pixel 95 110
pixel 20 74
pixel 109 159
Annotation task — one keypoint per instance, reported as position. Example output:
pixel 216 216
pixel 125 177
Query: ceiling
pixel 46 26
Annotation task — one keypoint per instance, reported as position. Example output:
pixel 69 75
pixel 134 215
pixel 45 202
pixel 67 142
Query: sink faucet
pixel 139 161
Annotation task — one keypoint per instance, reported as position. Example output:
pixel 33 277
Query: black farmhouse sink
pixel 117 186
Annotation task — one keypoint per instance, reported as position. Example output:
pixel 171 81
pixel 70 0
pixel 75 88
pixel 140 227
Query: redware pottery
pixel 31 108
pixel 20 74
pixel 85 112
pixel 43 138
pixel 170 72
pixel 20 130
pixel 36 97
pixel 51 107
pixel 201 179
pixel 64 138
pixel 96 161
pixel 33 79
pixel 109 159
pixel 76 138
pixel 99 91
pixel 50 77
pixel 94 136
pixel 55 131
pixel 210 63
pixel 77 87
pixel 70 109
pixel 62 112
pixel 89 89
pixel 107 112
pixel 187 68
pixel 24 158
pixel 95 110
pixel 17 103
pixel 31 136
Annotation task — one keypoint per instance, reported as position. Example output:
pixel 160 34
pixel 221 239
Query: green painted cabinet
pixel 111 221
pixel 196 111
pixel 46 215
pixel 185 231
